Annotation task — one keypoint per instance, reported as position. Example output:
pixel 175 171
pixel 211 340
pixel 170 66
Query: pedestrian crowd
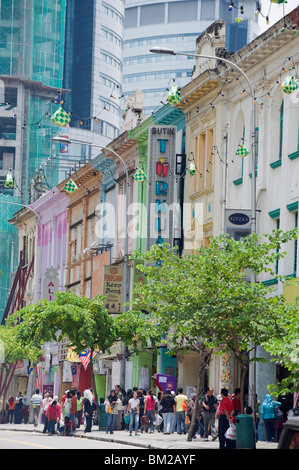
pixel 137 410
pixel 58 417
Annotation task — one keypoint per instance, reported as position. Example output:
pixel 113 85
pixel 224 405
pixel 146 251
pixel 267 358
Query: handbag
pixel 230 433
pixel 144 421
pixel 187 420
pixel 184 406
pixel 127 419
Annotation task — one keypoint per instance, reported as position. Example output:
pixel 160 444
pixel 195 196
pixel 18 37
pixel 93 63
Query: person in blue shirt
pixel 268 416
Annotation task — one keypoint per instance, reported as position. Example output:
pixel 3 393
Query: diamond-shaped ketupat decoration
pixel 60 117
pixel 289 85
pixel 191 169
pixel 8 181
pixel 70 186
pixel 242 151
pixel 174 96
pixel 140 176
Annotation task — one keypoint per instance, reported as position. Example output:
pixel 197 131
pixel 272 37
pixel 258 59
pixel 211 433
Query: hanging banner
pixel 113 288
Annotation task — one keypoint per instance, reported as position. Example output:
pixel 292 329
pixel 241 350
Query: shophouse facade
pixel 218 108
pixel 43 229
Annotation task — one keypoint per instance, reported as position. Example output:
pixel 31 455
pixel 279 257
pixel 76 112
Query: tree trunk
pixel 242 386
pixel 203 364
pixel 93 385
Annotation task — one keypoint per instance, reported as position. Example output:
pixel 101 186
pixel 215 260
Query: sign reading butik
pixel 162 205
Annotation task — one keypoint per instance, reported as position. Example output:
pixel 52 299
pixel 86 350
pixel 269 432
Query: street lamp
pixel 59 139
pixel 164 50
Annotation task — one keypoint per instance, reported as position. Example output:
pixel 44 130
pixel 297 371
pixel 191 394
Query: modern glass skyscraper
pixel 93 67
pixel 31 73
pixel 175 24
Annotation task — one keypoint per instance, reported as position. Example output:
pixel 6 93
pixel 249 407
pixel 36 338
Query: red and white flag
pixel 84 357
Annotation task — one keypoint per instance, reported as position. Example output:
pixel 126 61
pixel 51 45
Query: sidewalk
pixel 146 440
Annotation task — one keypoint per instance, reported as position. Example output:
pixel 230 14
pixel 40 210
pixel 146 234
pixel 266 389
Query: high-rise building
pixel 176 24
pixel 93 71
pixel 31 73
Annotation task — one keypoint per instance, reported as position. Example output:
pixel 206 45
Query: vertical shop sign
pixel 161 200
pixel 113 288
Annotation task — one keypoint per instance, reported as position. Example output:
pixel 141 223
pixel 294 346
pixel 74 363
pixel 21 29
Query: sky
pixel 276 12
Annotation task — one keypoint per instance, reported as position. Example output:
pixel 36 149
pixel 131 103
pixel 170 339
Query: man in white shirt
pixel 36 401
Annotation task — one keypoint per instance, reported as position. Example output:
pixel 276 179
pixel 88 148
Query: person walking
pixel 295 410
pixel 237 401
pixel 51 415
pixel 268 417
pixel 224 413
pixel 25 410
pixel 79 409
pixel 18 408
pixel 149 408
pixel 209 405
pixel 169 409
pixel 73 406
pixel 133 412
pixel 58 413
pixel 45 403
pixel 112 403
pixel 88 409
pixel 36 401
pixel 181 406
pixel 11 409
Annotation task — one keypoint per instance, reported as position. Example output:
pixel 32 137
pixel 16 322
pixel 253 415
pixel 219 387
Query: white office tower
pixel 176 24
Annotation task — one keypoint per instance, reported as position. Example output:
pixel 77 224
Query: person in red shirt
pixel 51 414
pixel 224 413
pixel 73 410
pixel 237 401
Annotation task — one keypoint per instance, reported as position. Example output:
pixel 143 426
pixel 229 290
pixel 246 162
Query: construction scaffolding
pixel 8 248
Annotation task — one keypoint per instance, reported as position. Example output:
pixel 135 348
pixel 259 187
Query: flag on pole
pixel 84 357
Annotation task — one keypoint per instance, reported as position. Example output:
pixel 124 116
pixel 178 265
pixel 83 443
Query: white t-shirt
pixel 134 403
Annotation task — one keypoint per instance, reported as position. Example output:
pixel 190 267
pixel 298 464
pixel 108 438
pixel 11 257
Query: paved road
pixel 155 441
pixel 29 440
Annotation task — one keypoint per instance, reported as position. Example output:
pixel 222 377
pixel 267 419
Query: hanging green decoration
pixel 8 181
pixel 289 85
pixel 70 186
pixel 140 176
pixel 174 96
pixel 60 117
pixel 242 151
pixel 191 169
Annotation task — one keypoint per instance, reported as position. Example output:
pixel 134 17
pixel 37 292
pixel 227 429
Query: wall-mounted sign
pixel 238 223
pixel 50 283
pixel 113 288
pixel 162 206
pixel 238 218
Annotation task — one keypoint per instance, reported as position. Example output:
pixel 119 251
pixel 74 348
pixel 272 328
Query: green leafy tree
pixel 202 301
pixel 11 352
pixel 85 322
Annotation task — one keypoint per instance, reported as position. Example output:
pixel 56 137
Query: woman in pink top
pixel 149 408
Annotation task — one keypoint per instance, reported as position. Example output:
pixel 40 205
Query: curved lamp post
pixel 162 50
pixel 59 139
